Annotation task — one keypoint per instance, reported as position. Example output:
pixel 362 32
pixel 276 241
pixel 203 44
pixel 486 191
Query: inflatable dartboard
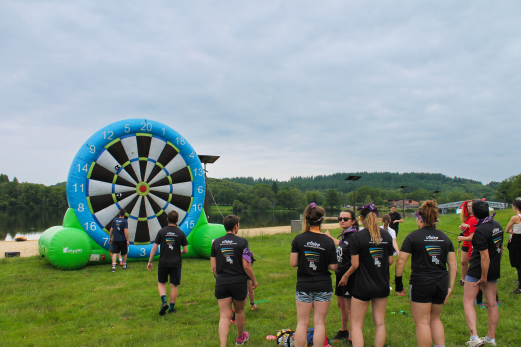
pixel 140 165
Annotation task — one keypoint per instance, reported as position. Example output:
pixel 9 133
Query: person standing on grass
pixel 371 256
pixel 396 219
pixel 484 271
pixel 430 284
pixel 343 294
pixel 468 223
pixel 173 243
pixel 231 260
pixel 118 238
pixel 514 242
pixel 313 254
pixel 386 219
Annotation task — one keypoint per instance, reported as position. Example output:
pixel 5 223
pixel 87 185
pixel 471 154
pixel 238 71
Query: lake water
pixel 32 223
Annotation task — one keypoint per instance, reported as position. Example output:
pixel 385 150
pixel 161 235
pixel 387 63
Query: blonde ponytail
pixel 370 222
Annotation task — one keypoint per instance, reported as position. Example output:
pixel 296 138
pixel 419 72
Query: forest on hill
pixel 247 193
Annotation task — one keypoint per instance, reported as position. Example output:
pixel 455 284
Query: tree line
pixel 14 194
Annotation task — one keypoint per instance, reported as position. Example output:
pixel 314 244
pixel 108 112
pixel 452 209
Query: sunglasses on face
pixel 345 219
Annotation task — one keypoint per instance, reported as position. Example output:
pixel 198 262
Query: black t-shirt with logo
pixel 171 239
pixel 395 226
pixel 315 252
pixel 429 249
pixel 118 229
pixel 372 275
pixel 343 255
pixel 487 236
pixel 227 251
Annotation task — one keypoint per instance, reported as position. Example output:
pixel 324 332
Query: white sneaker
pixel 477 342
pixel 492 343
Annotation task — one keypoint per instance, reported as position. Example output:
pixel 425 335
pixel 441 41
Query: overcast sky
pixel 276 88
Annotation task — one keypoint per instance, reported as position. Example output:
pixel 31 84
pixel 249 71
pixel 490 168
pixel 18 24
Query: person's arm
pixel 110 236
pixel 152 255
pixel 453 270
pixel 213 264
pixel 466 238
pixel 293 259
pixel 184 250
pixel 485 263
pixel 355 262
pixel 398 272
pixel 332 267
pixel 395 245
pixel 335 240
pixel 249 272
pixel 399 221
pixel 510 226
pixel 126 236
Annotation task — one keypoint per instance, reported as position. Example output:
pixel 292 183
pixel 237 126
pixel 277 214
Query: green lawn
pixel 42 306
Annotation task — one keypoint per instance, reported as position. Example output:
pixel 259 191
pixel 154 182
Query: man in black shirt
pixel 396 219
pixel 231 260
pixel 484 271
pixel 173 243
pixel 118 239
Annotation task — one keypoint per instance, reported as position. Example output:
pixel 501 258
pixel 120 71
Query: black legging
pixel 519 277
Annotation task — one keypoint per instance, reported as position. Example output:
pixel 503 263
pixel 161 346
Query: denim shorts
pixel 310 297
pixel 475 280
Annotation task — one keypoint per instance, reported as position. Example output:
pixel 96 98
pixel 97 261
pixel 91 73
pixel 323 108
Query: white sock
pixel 489 339
pixel 113 264
pixel 439 345
pixel 472 338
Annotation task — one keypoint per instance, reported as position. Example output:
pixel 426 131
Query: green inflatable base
pixel 69 247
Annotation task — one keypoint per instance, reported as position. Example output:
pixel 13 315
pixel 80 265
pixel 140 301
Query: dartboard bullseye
pixel 144 167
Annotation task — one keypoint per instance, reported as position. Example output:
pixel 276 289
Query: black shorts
pixel 237 291
pixel 434 293
pixel 362 298
pixel 173 272
pixel 347 290
pixel 119 247
pixel 465 249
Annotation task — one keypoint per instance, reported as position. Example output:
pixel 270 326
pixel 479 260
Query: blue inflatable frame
pixel 91 150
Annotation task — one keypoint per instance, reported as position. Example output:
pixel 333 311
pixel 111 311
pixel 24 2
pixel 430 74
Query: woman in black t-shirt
pixel 343 294
pixel 430 284
pixel 371 255
pixel 231 261
pixel 313 253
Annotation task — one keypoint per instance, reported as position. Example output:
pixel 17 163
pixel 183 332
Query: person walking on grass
pixel 118 238
pixel 371 256
pixel 468 227
pixel 514 242
pixel 231 259
pixel 386 219
pixel 396 219
pixel 430 284
pixel 173 243
pixel 343 294
pixel 484 271
pixel 313 254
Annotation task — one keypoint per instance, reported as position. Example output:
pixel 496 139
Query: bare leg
pixel 225 309
pixel 421 313
pixel 251 295
pixel 114 258
pixel 379 307
pixel 319 322
pixel 490 290
pixel 303 314
pixel 173 293
pixel 469 296
pixel 358 311
pixel 437 330
pixel 125 259
pixel 344 311
pixel 464 264
pixel 161 288
pixel 239 316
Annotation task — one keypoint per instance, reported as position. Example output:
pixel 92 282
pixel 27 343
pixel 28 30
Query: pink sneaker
pixel 241 339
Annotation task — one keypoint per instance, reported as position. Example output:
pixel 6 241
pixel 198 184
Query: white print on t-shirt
pixel 229 259
pixel 377 262
pixel 312 244
pixel 339 254
pixel 312 265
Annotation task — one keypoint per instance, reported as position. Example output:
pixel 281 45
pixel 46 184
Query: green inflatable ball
pixel 65 248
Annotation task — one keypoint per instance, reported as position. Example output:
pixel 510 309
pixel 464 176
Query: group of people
pixel 361 258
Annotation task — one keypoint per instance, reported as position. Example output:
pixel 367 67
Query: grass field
pixel 42 306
